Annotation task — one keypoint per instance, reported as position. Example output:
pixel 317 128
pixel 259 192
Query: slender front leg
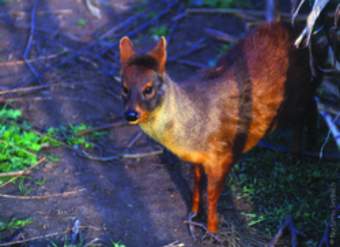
pixel 196 196
pixel 216 176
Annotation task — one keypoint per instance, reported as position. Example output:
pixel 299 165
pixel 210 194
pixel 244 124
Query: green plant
pixel 81 22
pixel 274 187
pixel 20 145
pixel 117 244
pixel 72 135
pixel 159 31
pixel 14 224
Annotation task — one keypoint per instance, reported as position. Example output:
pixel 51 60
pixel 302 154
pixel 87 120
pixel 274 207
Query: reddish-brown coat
pixel 217 115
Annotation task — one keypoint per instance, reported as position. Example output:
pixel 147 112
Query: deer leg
pixel 216 174
pixel 196 198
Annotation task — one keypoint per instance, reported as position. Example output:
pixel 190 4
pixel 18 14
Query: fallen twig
pixel 175 244
pixel 221 36
pixel 21 62
pixel 192 63
pixel 102 128
pixel 86 155
pixel 121 25
pixel 49 235
pixel 197 45
pixel 24 89
pixel 245 13
pixel 134 139
pixel 42 12
pixel 22 172
pixel 43 197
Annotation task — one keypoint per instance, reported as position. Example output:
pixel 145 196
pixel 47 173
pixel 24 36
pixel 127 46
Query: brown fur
pixel 214 117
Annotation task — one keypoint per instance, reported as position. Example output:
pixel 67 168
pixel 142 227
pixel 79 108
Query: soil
pixel 140 202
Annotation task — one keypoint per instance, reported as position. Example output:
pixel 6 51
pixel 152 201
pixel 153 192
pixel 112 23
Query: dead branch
pixel 175 244
pixel 287 224
pixel 191 63
pixel 21 62
pixel 102 128
pixel 24 89
pixel 121 25
pixel 134 139
pixel 222 36
pixel 196 46
pixel 45 236
pixel 23 172
pixel 43 197
pixel 49 235
pixel 325 237
pixel 30 42
pixel 86 155
pixel 22 14
pixel 245 13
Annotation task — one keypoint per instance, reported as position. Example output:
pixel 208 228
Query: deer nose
pixel 131 115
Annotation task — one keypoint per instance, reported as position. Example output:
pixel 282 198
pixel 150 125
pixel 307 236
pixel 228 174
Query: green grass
pixel 81 22
pixel 117 244
pixel 159 31
pixel 14 224
pixel 21 145
pixel 276 186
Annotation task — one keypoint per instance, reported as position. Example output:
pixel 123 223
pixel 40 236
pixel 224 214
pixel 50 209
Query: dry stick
pixel 21 62
pixel 23 14
pixel 244 13
pixel 121 25
pixel 102 128
pixel 104 50
pixel 288 223
pixel 43 197
pixel 30 41
pixel 222 36
pixel 325 237
pixel 134 139
pixel 24 89
pixel 18 99
pixel 191 63
pixel 22 172
pixel 86 155
pixel 49 235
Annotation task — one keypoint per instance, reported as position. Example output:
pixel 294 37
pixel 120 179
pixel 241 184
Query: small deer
pixel 215 116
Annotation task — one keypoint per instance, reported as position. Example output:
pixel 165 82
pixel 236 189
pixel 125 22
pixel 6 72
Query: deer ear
pixel 159 53
pixel 126 49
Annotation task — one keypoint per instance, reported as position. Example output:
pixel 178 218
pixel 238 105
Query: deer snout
pixel 131 115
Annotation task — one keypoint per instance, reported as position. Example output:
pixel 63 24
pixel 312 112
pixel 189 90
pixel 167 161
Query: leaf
pixel 318 6
pixel 9 114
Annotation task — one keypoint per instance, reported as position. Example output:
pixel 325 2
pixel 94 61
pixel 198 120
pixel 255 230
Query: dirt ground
pixel 141 202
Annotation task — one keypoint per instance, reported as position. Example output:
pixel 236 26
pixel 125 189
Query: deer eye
pixel 148 91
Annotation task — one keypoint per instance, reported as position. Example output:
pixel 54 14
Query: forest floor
pixel 135 202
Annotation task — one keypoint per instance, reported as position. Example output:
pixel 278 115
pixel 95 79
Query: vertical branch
pixel 30 42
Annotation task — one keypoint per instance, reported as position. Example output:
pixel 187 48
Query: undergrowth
pixel 21 145
pixel 274 187
pixel 14 224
